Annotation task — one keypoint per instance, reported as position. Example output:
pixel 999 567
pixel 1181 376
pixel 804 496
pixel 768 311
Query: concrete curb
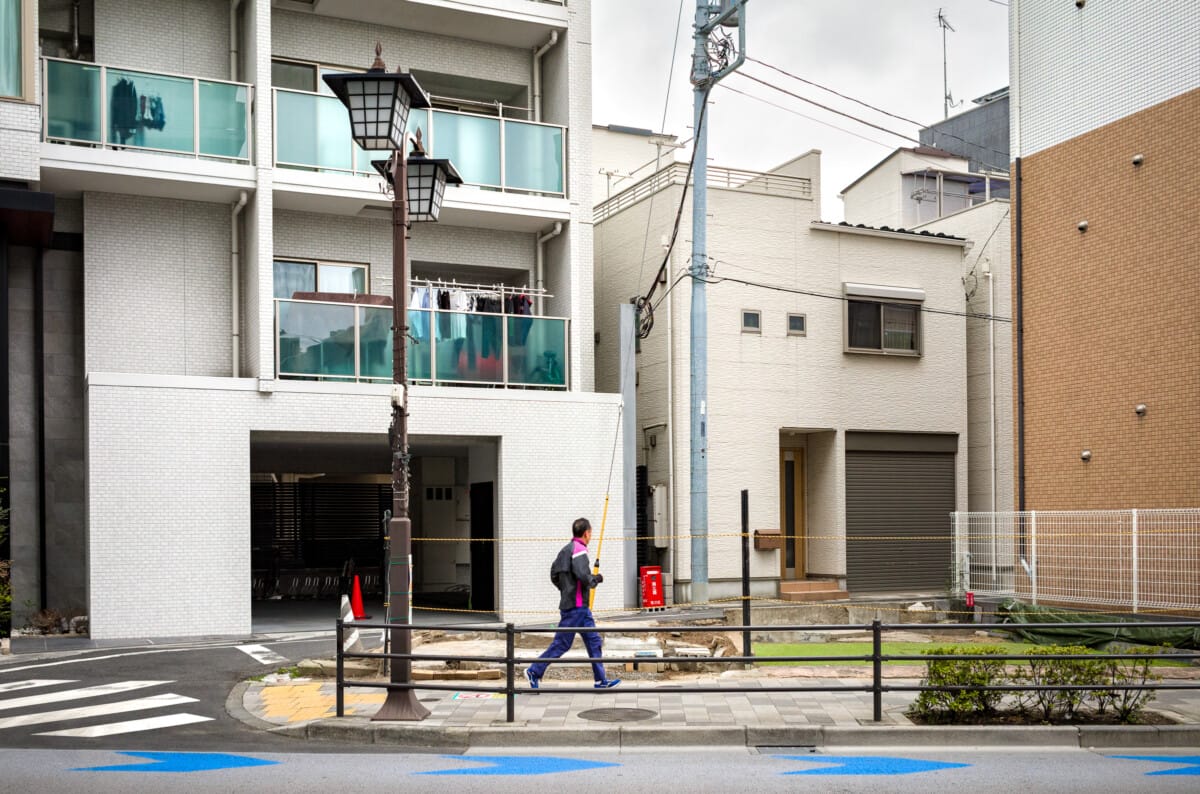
pixel 363 731
pixel 234 707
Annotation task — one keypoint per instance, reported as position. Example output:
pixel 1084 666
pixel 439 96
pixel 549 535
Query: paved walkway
pixel 749 712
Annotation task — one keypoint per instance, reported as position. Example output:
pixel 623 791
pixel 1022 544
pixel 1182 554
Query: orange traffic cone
pixel 356 603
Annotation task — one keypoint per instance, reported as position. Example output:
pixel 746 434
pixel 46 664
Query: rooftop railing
pixel 98 105
pixel 317 340
pixel 725 178
pixel 312 132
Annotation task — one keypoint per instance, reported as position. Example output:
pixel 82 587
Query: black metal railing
pixel 875 659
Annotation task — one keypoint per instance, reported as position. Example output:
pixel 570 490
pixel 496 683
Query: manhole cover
pixel 618 715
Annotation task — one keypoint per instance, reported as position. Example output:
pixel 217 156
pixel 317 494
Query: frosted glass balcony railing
pixel 312 131
pixel 87 103
pixel 352 342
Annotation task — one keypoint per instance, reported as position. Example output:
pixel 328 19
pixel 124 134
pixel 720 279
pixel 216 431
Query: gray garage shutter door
pixel 894 501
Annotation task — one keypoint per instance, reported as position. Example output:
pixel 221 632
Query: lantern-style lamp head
pixel 378 101
pixel 427 180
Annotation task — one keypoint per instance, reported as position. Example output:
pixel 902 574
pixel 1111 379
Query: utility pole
pixel 711 60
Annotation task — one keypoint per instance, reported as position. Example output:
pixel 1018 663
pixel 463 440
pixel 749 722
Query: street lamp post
pixel 379 102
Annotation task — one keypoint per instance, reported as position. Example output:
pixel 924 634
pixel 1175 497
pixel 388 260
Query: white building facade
pixel 836 383
pixel 201 354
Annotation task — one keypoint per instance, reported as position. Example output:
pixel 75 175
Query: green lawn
pixel 764 650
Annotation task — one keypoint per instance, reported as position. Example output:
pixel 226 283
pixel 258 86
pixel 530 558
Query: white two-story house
pixel 836 380
pixel 200 346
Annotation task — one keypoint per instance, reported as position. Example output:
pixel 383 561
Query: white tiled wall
pixel 187 37
pixel 156 285
pixel 1074 69
pixel 343 42
pixel 173 537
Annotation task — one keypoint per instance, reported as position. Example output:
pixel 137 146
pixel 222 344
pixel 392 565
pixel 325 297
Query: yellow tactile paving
pixel 302 702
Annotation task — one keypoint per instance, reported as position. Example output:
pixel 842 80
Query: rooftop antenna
pixel 947 98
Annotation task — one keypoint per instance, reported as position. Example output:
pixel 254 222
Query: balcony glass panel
pixel 223 120
pixel 132 109
pixel 472 143
pixel 420 345
pixel 313 131
pixel 375 343
pixel 537 351
pixel 468 347
pixel 533 157
pixel 73 99
pixel 319 340
pixel 150 111
pixel 316 339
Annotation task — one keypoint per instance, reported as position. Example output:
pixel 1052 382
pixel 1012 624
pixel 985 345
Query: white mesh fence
pixel 1136 559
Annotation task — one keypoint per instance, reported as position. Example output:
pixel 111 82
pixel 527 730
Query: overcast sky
pixel 887 53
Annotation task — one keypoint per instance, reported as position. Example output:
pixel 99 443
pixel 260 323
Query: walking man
pixel 572 575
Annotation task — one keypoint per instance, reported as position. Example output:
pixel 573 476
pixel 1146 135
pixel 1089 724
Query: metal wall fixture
pixel 1082 226
pixel 1140 409
pixel 1086 455
pixel 1138 159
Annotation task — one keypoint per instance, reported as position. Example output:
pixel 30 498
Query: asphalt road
pixel 192 683
pixel 922 770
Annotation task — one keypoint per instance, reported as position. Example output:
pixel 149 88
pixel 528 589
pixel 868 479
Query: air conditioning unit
pixel 660 523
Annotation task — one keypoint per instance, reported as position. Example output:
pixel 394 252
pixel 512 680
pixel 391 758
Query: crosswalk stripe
pixel 76 694
pixel 129 726
pixel 120 707
pixel 13 686
pixel 262 654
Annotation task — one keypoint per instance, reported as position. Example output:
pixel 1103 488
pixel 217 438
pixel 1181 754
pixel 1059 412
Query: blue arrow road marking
pixel 518 765
pixel 1192 763
pixel 181 762
pixel 867 765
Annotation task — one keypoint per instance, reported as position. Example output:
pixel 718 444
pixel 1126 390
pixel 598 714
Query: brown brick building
pixel 1106 257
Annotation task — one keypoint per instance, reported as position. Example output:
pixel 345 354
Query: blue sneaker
pixel 534 680
pixel 609 684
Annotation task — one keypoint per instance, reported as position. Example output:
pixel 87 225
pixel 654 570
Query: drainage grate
pixel 618 715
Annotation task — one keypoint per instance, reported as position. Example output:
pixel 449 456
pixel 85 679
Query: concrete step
pixel 832 594
pixel 806 585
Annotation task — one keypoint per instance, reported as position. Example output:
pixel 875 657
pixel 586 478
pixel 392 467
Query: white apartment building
pixel 836 381
pixel 199 346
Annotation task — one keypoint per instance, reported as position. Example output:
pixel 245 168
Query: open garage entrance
pixel 317 503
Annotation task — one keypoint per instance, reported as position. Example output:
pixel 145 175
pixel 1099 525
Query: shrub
pixel 1035 669
pixel 981 673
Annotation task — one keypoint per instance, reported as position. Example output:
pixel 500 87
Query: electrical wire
pixel 645 301
pixel 832 91
pixel 937 132
pixel 850 116
pixel 661 129
pixel 830 296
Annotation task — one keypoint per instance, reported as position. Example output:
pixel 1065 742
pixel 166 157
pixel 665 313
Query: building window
pixel 751 321
pixel 883 319
pixel 797 325
pixel 883 327
pixel 303 76
pixel 11 55
pixel 292 276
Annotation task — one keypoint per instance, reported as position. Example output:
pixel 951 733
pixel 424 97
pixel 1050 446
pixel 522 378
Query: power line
pixel 826 107
pixel 648 322
pixel 831 296
pixel 836 93
pixel 937 132
pixel 661 128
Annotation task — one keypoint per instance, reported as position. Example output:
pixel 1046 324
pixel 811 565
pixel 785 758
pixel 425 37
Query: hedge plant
pixel 1033 669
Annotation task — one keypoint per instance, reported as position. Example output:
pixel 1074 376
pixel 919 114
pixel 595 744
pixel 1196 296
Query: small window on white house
pixel 797 325
pixel 883 319
pixel 751 321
